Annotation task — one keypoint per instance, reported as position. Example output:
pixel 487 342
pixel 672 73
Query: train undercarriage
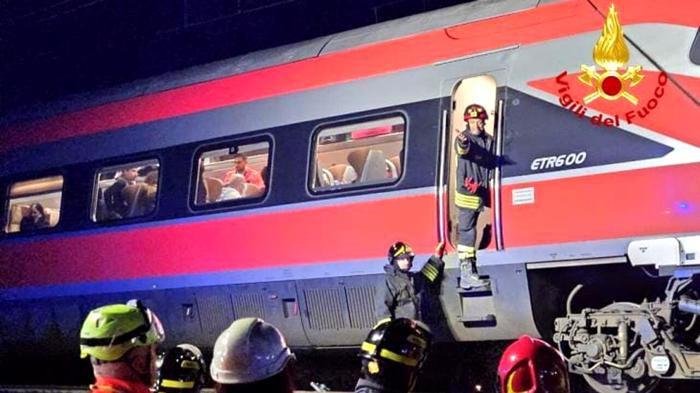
pixel 629 347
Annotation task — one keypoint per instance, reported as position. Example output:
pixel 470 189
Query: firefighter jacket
pixel 367 386
pixel 115 385
pixel 474 163
pixel 403 290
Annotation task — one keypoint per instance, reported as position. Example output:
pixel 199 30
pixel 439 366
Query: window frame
pixel 92 205
pixel 349 189
pixel 8 199
pixel 227 143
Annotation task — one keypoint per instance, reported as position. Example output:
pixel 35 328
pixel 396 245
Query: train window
pixel 126 191
pixel 34 204
pixel 233 172
pixel 359 154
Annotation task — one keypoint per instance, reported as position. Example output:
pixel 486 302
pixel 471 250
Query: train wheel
pixel 614 380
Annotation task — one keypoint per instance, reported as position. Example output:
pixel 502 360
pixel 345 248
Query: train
pixel 352 137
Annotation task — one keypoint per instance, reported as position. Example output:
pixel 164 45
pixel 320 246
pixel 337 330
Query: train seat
pixel 213 188
pixel 17 212
pixel 342 173
pixel 396 161
pixel 370 164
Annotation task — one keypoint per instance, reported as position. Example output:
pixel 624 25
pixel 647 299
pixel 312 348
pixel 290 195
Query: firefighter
pixel 402 288
pixel 121 340
pixel 182 370
pixel 252 356
pixel 392 356
pixel 474 161
pixel 530 365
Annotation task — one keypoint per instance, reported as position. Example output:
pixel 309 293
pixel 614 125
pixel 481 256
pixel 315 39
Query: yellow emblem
pixel 610 53
pixel 373 367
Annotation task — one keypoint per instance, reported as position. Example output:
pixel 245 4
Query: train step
pixel 478 308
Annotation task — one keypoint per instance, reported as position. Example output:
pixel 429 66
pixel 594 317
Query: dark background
pixel 52 48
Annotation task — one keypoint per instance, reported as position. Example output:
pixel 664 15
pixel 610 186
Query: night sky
pixel 54 48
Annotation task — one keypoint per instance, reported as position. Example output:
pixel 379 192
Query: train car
pixel 344 146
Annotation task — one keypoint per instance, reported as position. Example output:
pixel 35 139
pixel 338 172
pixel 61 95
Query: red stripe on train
pixel 642 202
pixel 314 235
pixel 535 25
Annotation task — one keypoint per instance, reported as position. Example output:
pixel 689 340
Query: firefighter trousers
pixel 466 242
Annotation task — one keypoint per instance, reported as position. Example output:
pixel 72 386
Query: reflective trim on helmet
pixel 389 355
pixel 103 341
pixel 190 364
pixel 169 383
pixel 417 341
pixel 381 322
pixel 402 250
pixel 393 356
pixel 368 347
pixel 519 380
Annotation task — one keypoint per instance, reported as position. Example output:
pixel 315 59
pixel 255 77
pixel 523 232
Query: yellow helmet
pixel 111 331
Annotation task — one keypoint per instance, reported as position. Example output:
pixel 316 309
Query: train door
pixel 502 310
pixel 481 89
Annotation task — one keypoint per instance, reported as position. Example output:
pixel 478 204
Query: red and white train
pixel 353 136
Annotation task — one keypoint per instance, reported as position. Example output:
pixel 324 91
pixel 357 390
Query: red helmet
pixel 530 365
pixel 475 111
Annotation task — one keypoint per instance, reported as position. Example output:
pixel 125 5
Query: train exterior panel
pixel 569 192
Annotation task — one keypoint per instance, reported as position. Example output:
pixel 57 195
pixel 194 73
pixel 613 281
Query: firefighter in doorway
pixel 474 161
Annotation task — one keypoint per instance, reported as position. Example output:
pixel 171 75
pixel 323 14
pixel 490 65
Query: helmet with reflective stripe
pixel 530 365
pixel 249 350
pixel 401 340
pixel 398 250
pixel 182 370
pixel 111 331
pixel 394 352
pixel 475 111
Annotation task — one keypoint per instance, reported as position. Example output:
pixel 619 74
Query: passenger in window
pixel 36 219
pixel 116 203
pixel 147 170
pixel 474 162
pixel 240 167
pixel 234 189
pixel 151 188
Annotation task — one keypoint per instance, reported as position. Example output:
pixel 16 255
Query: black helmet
pixel 400 249
pixel 182 370
pixel 394 352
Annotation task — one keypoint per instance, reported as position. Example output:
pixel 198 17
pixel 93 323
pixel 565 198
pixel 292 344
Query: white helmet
pixel 249 350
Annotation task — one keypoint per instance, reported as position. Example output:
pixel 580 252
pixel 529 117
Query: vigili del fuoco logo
pixel 612 79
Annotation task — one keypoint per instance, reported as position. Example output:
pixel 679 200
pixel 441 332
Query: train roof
pixel 415 24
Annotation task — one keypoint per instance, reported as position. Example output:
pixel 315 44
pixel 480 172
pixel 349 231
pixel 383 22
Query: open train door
pixel 480 89
pixel 502 312
pixel 486 88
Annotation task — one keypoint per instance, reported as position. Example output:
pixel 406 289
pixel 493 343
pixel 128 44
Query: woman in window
pixel 36 219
